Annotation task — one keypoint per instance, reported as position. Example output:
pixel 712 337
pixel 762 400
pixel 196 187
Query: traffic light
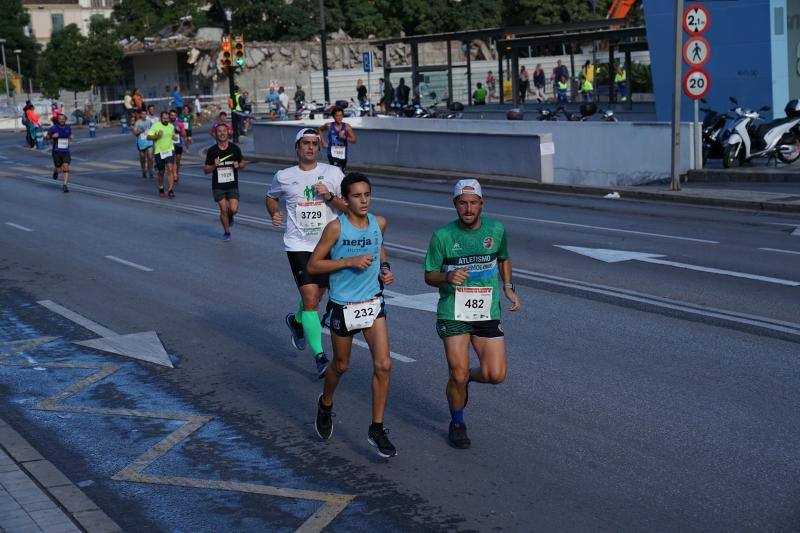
pixel 238 49
pixel 225 51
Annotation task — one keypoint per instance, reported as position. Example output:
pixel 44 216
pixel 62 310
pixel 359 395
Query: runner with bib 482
pixel 464 260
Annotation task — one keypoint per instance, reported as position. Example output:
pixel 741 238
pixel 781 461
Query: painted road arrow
pixel 618 256
pixel 144 346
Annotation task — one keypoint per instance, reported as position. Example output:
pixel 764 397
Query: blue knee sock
pixel 457 416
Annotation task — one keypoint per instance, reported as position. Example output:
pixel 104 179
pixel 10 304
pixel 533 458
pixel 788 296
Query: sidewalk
pixel 36 497
pixel 756 195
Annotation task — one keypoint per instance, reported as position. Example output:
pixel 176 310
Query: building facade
pixel 49 16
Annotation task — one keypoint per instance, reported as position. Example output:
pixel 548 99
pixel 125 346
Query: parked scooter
pixel 547 115
pixel 716 129
pixel 779 138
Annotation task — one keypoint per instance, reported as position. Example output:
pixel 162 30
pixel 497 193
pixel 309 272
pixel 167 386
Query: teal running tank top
pixel 351 284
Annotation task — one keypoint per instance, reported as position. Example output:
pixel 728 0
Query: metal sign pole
pixel 369 83
pixel 698 137
pixel 676 103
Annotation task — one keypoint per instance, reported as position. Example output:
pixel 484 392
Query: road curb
pixel 71 499
pixel 510 181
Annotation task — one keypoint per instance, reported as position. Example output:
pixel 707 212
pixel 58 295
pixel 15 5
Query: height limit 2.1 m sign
pixel 695 20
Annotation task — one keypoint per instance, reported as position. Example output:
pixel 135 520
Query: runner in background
pixel 335 137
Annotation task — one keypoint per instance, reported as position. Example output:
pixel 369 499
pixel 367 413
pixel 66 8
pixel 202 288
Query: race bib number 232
pixel 361 315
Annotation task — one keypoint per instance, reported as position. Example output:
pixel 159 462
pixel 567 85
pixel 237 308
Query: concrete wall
pixel 585 153
pixel 460 146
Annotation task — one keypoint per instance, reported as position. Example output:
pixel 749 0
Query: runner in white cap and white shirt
pixel 311 190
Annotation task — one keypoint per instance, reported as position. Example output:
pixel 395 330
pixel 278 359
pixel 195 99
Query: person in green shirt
pixel 479 96
pixel 464 260
pixel 187 118
pixel 163 134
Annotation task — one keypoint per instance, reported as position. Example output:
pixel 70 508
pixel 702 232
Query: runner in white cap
pixel 464 260
pixel 311 191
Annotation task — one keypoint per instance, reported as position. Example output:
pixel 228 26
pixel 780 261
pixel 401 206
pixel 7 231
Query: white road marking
pixel 129 263
pixel 780 251
pixel 421 302
pixel 796 232
pixel 618 256
pixel 145 346
pixel 394 355
pixel 23 228
pixel 553 222
pixel 77 318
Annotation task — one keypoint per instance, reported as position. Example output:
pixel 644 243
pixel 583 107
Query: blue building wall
pixel 740 35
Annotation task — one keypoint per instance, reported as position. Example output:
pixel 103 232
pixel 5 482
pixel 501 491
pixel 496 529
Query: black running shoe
pixel 298 336
pixel 55 175
pixel 324 422
pixel 379 439
pixel 144 175
pixel 322 364
pixel 171 193
pixel 457 435
pixel 65 188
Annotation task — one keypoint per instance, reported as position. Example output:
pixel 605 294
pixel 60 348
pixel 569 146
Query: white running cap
pixel 306 132
pixel 467 187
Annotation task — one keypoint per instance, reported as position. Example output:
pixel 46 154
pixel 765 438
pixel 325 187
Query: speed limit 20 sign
pixel 696 83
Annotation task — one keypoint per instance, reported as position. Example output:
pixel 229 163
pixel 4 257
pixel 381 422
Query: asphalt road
pixel 641 395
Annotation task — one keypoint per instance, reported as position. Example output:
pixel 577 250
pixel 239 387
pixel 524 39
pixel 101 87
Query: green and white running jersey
pixel 477 252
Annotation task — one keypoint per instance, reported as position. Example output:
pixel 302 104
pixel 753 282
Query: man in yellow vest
pixel 236 112
pixel 587 89
pixel 562 88
pixel 620 79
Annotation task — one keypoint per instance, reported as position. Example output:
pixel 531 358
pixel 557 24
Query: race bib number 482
pixel 473 304
pixel 361 315
pixel 310 216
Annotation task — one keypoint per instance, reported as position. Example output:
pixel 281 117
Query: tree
pixel 12 25
pixel 103 55
pixel 145 18
pixel 63 64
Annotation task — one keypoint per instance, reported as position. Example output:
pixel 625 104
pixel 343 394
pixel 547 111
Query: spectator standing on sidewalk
pixel 273 100
pixel 283 101
pixel 620 82
pixel 479 95
pixel 361 93
pixel 402 92
pixel 524 81
pixel 539 83
pixel 138 101
pixel 299 97
pixel 127 102
pixel 177 99
pixel 491 86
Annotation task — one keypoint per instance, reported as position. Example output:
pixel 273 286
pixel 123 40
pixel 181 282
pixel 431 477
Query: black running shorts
pixel 487 329
pixel 59 158
pixel 298 262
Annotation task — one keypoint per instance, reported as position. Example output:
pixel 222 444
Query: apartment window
pixel 57 22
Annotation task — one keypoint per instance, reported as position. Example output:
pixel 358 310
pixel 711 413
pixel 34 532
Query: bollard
pixel 39 138
pixel 124 121
pixel 92 129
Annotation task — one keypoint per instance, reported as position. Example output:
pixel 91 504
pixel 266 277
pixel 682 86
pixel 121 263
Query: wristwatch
pixel 386 266
pixel 329 199
pixel 508 286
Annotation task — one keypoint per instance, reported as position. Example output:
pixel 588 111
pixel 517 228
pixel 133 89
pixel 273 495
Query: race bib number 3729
pixel 473 304
pixel 310 216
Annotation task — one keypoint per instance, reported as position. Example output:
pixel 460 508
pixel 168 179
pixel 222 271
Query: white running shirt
pixel 297 185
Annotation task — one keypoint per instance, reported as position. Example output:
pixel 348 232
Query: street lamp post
pixel 323 38
pixel 17 52
pixel 5 71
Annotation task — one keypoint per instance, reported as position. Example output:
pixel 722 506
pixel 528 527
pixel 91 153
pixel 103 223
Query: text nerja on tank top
pixel 351 284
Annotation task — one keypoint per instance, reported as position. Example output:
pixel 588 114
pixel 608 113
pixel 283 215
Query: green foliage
pixel 102 53
pixel 12 25
pixel 276 20
pixel 63 65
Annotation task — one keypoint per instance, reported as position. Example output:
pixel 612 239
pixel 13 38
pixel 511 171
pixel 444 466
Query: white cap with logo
pixel 306 132
pixel 467 187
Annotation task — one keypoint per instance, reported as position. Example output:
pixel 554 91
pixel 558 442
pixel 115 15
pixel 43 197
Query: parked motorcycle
pixel 778 139
pixel 547 115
